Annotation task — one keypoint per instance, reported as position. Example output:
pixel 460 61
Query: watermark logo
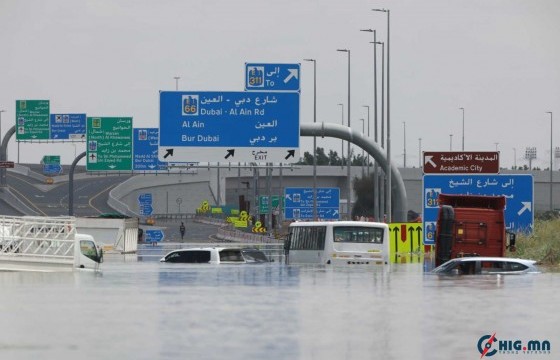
pixel 490 345
pixel 484 350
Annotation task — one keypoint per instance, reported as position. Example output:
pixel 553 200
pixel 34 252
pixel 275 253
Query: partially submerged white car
pixel 486 266
pixel 216 255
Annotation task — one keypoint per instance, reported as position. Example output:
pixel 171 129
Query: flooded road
pixel 147 310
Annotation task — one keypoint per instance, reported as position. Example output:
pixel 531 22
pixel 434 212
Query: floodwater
pixel 149 310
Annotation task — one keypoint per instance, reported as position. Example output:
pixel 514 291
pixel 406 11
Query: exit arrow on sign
pixel 428 160
pixel 461 162
pixel 293 74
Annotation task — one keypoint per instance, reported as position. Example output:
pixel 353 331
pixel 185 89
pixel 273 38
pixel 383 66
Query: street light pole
pixel 450 142
pixel 342 149
pixel 367 106
pixel 376 187
pixel 551 207
pixel 514 158
pixel 382 91
pixel 1 111
pixel 176 82
pixel 314 138
pixel 404 144
pixel 463 109
pixel 420 153
pixel 388 170
pixel 363 154
pixel 349 178
pixel 380 208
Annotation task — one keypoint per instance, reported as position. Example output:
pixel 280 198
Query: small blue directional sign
pixel 68 127
pixel 145 198
pixel 155 235
pixel 273 77
pixel 146 210
pixel 299 203
pixel 52 169
pixel 145 204
pixel 517 188
pixel 229 126
pixel 145 150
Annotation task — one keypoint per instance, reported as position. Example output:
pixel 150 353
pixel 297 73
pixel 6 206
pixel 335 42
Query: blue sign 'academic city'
pixel 299 203
pixel 517 189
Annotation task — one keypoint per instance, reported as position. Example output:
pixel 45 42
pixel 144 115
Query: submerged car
pixel 486 266
pixel 216 255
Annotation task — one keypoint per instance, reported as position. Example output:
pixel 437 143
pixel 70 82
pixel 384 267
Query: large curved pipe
pixel 71 183
pixel 4 154
pixel 345 133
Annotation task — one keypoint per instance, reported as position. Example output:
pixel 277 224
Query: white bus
pixel 338 243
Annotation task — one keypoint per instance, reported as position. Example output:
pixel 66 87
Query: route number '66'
pixel 190 105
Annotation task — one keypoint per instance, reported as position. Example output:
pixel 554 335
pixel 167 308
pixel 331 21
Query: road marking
pixel 98 194
pixel 29 201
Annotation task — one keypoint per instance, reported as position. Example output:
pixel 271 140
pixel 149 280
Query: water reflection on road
pixel 150 310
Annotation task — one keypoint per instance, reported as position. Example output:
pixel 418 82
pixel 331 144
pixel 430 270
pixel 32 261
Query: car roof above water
pixel 215 255
pixel 477 265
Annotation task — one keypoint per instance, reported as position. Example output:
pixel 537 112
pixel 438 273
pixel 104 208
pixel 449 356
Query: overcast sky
pixel 500 60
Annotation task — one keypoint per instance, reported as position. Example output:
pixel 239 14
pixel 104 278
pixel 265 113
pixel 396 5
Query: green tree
pixel 322 159
pixel 365 196
pixel 334 159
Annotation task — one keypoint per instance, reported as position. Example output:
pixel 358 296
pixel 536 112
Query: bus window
pixel 360 235
pixel 307 238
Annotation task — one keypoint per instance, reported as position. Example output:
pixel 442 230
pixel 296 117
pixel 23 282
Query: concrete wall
pixel 193 188
pixel 171 193
pixel 121 234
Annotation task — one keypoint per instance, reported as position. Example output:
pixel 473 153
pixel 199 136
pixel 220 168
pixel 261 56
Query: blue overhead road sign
pixel 298 203
pixel 229 126
pixel 517 188
pixel 145 150
pixel 274 77
pixel 68 126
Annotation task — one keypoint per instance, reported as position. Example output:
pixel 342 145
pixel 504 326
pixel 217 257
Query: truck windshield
pixel 88 248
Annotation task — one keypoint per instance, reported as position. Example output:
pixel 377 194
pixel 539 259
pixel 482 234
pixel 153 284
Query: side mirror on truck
pixel 511 241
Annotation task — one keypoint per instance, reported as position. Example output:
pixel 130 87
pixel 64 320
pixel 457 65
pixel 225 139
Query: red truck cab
pixel 470 225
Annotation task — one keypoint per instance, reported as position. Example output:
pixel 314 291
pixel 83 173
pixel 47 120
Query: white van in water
pixel 215 255
pixel 35 243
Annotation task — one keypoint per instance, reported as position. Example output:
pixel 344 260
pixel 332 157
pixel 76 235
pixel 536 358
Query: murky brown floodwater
pixel 148 310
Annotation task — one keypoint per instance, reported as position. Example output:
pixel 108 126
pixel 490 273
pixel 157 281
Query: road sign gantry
pixel 32 119
pixel 109 143
pixel 229 126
